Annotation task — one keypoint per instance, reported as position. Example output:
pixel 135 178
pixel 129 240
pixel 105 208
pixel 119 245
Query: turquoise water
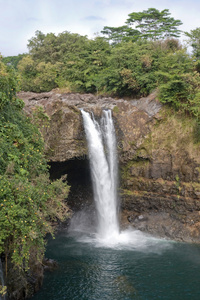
pixel 153 270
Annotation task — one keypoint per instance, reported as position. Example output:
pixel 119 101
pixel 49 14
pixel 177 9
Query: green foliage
pixel 13 60
pixel 194 41
pixel 27 208
pixel 119 34
pixel 131 68
pixel 66 61
pixel 37 77
pixel 155 24
pixel 150 24
pixel 132 60
pixel 40 118
pixel 78 64
pixel 8 84
pixel 29 202
pixel 179 83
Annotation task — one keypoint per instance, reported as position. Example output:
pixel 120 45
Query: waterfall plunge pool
pixel 149 270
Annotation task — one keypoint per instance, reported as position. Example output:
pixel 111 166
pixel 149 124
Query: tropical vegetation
pixel 132 60
pixel 29 201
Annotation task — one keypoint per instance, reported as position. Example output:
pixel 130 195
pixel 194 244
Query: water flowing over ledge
pixel 104 171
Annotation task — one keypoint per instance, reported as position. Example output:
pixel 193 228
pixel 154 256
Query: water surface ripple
pixel 87 271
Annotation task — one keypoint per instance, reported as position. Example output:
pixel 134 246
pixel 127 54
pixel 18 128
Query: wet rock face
pixel 64 136
pixel 164 224
pixel 159 162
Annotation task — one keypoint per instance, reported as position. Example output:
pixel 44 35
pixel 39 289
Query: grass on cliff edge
pixel 176 132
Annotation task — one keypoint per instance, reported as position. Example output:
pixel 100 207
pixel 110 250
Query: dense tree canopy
pixel 130 60
pixel 154 24
pixel 13 60
pixel 67 60
pixel 119 34
pixel 194 41
pixel 28 200
pixel 149 24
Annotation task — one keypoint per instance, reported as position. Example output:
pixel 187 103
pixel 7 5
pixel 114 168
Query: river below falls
pixel 146 269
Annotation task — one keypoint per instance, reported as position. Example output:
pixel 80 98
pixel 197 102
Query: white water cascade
pixel 104 170
pixel 103 163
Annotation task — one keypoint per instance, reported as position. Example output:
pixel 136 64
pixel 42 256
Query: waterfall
pixel 103 164
pixel 102 151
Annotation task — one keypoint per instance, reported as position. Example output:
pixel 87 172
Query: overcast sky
pixel 19 19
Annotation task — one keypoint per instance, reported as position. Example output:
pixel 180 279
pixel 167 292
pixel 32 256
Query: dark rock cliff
pixel 159 161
